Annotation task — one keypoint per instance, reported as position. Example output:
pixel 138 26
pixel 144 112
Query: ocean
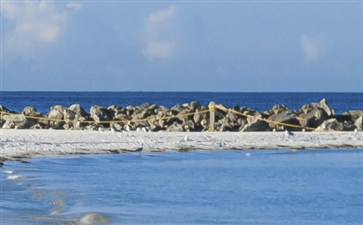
pixel 271 187
pixel 42 101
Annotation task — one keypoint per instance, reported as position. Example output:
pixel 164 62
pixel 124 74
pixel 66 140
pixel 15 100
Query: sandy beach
pixel 32 143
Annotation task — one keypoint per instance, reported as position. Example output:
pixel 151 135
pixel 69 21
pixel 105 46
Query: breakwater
pixel 193 116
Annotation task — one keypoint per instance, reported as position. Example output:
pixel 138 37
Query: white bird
pixel 127 128
pixel 186 138
pixel 356 132
pixel 248 154
pixel 138 129
pixel 112 130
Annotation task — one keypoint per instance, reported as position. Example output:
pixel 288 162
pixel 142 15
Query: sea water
pixel 322 187
pixel 42 101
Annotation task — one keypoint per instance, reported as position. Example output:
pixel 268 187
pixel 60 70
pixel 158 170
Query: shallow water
pixel 197 187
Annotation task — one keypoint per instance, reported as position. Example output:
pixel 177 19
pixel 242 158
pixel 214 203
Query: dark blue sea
pixel 42 101
pixel 271 187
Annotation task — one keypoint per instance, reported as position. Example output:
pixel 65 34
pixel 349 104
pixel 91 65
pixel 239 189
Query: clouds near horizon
pixel 312 47
pixel 158 34
pixel 37 25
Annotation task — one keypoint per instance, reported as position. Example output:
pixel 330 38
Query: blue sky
pixel 238 46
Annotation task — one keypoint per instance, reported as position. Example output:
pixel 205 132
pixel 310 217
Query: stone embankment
pixel 185 117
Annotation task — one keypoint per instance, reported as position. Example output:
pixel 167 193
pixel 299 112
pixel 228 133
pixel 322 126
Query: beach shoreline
pixel 19 144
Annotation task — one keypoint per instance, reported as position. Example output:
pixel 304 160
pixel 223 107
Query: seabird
pixel 186 138
pixel 288 133
pixel 356 132
pixel 139 149
pixel 127 128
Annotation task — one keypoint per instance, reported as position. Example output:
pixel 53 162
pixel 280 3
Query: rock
pixel 100 113
pixel 70 115
pixel 17 121
pixel 188 125
pixel 224 125
pixel 359 123
pixel 144 111
pixel 355 114
pixel 312 117
pixel 177 109
pixel 348 125
pixel 140 114
pixel 117 112
pixel 58 107
pixel 193 106
pixel 255 124
pixel 323 104
pixel 37 127
pixel 330 125
pixel 277 109
pixel 3 109
pixel 56 117
pixel 116 126
pixel 204 124
pixel 78 110
pixel 30 111
pixel 175 127
pixel 283 117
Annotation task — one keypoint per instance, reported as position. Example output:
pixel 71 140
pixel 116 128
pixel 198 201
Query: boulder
pixel 193 106
pixel 177 108
pixel 188 125
pixel 355 114
pixel 144 111
pixel 277 109
pixel 312 117
pixel 348 125
pixel 17 121
pixel 100 113
pixel 78 110
pixel 224 125
pixel 175 127
pixel 56 117
pixel 359 123
pixel 255 124
pixel 30 111
pixel 330 125
pixel 198 118
pixel 286 117
pixel 323 104
pixel 3 111
pixel 204 124
pixel 70 115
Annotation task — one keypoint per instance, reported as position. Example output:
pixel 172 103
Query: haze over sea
pixel 275 187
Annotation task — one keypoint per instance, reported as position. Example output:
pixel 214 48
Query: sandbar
pixel 17 144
